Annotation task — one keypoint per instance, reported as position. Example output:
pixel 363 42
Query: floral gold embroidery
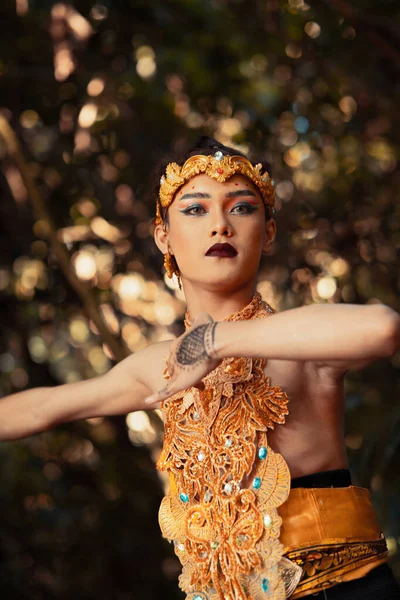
pixel 226 482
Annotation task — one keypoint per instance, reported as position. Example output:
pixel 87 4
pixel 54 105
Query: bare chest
pixel 312 439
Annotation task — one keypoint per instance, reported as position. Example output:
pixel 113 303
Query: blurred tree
pixel 95 92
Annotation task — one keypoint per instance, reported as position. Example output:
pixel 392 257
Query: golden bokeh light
pixel 38 349
pixel 79 331
pixel 130 287
pixel 85 265
pixel 293 50
pixel 146 66
pixel 339 267
pixel 29 118
pixel 88 115
pixel 105 230
pixel 82 140
pixel 99 361
pixel 95 87
pixel 140 429
pixel 326 287
pixel 312 29
pixel 110 318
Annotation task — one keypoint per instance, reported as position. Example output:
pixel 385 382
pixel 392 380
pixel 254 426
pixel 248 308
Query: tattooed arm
pixel 336 337
pixel 192 357
pixel 196 346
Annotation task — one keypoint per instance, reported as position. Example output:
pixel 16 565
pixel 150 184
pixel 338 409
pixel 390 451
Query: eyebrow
pixel 234 194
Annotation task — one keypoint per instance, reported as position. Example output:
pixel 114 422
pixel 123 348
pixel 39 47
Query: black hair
pixel 203 145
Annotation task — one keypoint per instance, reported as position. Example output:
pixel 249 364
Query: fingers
pixel 152 400
pixel 166 392
pixel 176 380
pixel 172 387
pixel 171 366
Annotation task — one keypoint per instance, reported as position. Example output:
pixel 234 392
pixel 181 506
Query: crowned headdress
pixel 220 167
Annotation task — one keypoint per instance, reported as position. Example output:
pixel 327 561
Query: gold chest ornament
pixel 226 482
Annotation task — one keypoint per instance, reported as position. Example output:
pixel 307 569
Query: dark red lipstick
pixel 222 250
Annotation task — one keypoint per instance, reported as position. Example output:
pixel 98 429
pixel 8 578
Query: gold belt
pixel 333 534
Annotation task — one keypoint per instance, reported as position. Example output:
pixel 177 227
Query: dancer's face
pixel 205 212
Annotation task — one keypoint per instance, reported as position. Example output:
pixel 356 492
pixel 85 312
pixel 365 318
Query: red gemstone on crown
pixel 220 170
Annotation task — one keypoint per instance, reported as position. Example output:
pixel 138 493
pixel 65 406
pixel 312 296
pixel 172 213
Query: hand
pixel 191 358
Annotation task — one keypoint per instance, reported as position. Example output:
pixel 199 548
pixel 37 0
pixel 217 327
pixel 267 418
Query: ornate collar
pixel 226 482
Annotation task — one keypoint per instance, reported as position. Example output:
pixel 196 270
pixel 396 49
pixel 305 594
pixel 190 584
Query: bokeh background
pixel 90 95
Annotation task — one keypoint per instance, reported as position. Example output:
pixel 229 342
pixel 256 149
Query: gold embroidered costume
pixel 332 534
pixel 227 483
pixel 238 530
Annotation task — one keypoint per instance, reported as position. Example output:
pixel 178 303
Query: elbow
pixel 388 321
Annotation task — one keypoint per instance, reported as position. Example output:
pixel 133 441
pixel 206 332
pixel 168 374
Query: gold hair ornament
pixel 219 167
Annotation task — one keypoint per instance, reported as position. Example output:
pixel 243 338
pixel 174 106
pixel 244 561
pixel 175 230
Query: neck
pixel 218 305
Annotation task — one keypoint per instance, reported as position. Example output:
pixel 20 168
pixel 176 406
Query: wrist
pixel 221 341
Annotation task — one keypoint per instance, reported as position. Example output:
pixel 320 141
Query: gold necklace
pixel 226 482
pixel 243 314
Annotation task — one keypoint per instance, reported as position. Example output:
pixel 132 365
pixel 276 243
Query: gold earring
pixel 172 268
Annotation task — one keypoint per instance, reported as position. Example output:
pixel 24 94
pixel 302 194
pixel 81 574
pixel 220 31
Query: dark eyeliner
pixel 187 210
pixel 249 207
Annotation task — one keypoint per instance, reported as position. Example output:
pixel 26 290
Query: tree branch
pixel 86 295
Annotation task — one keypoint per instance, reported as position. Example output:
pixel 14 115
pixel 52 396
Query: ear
pixel 270 233
pixel 161 238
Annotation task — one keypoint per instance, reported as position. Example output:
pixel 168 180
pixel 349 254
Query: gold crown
pixel 220 167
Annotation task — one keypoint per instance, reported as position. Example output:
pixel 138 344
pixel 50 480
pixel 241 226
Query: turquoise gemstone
pixel 262 452
pixel 264 584
pixel 256 483
pixel 184 497
pixel 198 598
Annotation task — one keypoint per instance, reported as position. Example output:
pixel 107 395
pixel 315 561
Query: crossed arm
pixel 118 392
pixel 338 337
pixel 335 337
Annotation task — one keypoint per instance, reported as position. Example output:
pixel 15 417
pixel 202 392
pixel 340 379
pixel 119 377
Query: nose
pixel 220 225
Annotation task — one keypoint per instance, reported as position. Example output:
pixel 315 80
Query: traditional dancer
pixel 260 503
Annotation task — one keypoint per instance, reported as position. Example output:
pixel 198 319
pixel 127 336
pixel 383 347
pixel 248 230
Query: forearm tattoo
pixel 197 345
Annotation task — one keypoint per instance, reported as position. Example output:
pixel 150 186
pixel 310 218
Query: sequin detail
pixel 257 483
pixel 264 584
pixel 262 453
